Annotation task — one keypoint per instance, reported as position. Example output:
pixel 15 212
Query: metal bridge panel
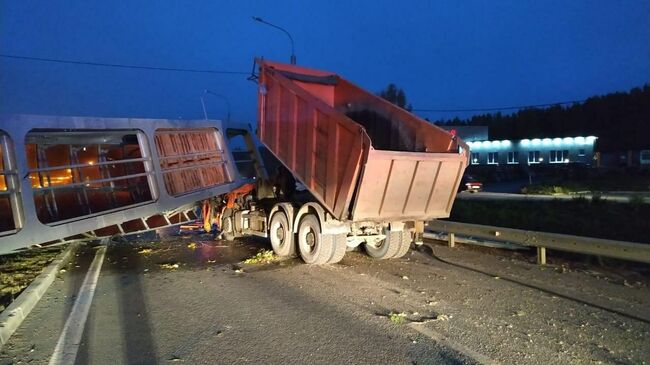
pixel 33 231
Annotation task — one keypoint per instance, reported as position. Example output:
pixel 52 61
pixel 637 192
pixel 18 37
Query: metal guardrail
pixel 622 250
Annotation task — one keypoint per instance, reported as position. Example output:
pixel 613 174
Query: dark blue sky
pixel 444 54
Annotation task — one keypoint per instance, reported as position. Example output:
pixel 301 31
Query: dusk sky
pixel 445 55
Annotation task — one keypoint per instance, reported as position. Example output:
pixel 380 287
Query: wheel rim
pixel 379 244
pixel 308 241
pixel 278 234
pixel 311 240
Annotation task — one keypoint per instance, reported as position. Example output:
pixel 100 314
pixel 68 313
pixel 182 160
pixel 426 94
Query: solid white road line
pixel 445 342
pixel 68 344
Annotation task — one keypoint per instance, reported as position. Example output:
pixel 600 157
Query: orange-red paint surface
pixel 362 157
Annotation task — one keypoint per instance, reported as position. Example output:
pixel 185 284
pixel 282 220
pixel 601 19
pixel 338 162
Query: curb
pixel 14 315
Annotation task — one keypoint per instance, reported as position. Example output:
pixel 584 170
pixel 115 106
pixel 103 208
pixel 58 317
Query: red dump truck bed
pixel 362 157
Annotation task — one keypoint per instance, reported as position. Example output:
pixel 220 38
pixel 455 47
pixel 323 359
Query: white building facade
pixel 534 151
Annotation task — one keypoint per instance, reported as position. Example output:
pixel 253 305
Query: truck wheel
pixel 315 248
pixel 228 229
pixel 405 244
pixel 340 247
pixel 386 248
pixel 281 236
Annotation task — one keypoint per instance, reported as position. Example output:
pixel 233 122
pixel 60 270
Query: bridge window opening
pixel 3 181
pixel 74 174
pixel 8 197
pixel 191 159
pixel 242 156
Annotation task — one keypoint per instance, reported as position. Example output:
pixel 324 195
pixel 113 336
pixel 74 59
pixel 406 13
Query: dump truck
pixel 374 172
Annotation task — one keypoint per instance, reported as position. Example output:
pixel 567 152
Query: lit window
pixel 474 158
pixel 559 156
pixel 645 155
pixel 493 158
pixel 533 157
pixel 513 157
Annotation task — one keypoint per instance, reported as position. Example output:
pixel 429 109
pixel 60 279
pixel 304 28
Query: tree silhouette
pixel 396 96
pixel 620 120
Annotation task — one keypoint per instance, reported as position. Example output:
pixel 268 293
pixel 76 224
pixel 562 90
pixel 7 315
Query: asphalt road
pixel 472 307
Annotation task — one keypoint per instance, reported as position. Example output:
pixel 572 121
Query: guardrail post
pixel 451 240
pixel 541 255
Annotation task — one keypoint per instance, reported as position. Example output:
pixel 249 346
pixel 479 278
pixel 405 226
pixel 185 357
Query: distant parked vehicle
pixel 469 183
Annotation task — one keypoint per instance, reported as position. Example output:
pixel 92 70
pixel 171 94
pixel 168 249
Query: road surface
pixel 456 306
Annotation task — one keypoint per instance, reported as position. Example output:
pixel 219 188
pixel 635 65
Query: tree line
pixel 620 120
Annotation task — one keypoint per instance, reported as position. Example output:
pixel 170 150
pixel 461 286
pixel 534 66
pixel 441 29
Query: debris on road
pixel 169 266
pixel 145 251
pixel 262 257
pixel 192 245
pixel 397 318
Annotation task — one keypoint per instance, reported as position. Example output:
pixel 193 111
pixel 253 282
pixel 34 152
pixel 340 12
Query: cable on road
pixel 531 286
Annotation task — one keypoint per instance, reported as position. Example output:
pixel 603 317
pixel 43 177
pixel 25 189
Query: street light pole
pixel 225 99
pixel 293 54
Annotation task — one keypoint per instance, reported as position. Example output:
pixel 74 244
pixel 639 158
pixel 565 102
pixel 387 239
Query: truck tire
pixel 315 248
pixel 340 247
pixel 281 236
pixel 387 248
pixel 405 244
pixel 227 229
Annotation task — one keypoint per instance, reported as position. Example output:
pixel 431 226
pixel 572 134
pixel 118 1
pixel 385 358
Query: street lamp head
pixel 293 53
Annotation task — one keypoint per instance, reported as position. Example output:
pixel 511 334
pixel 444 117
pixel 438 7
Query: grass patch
pixel 17 271
pixel 397 318
pixel 551 189
pixel 262 257
pixel 581 217
pixel 607 182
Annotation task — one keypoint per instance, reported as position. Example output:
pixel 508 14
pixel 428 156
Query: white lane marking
pixel 444 341
pixel 68 344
